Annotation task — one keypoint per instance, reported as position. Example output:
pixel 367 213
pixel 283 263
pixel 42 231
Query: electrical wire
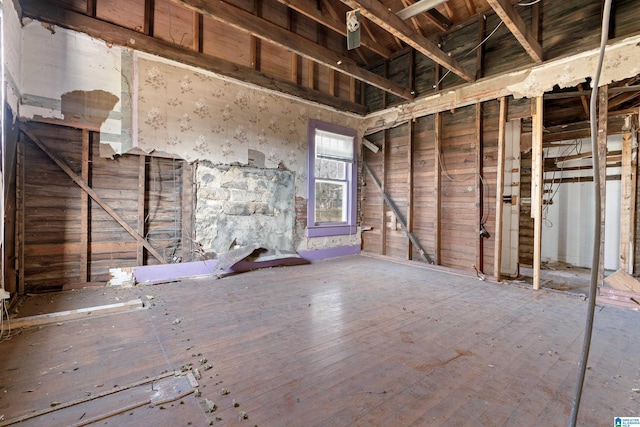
pixel 531 3
pixel 469 53
pixel 595 257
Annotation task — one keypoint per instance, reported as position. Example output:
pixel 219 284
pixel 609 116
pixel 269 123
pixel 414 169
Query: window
pixel 331 209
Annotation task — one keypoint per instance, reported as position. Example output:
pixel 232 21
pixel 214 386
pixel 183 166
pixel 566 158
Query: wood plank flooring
pixel 355 341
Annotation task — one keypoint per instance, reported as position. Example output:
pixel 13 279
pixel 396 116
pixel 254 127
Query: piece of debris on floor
pixel 121 277
pixel 622 281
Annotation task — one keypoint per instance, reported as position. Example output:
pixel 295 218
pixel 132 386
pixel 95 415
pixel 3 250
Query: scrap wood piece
pixel 256 259
pixel 63 316
pixel 83 184
pixel 618 297
pixel 158 390
pixel 622 281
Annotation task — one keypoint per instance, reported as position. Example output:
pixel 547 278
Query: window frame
pixel 349 227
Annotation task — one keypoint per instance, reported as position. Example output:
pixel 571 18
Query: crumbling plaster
pixel 620 62
pixel 55 62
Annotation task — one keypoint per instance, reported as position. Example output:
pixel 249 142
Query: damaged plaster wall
pixel 213 121
pixel 68 76
pixel 243 205
pixel 12 54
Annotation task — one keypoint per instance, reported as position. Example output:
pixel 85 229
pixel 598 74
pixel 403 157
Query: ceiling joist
pixel 378 13
pixel 504 9
pixel 45 11
pixel 267 31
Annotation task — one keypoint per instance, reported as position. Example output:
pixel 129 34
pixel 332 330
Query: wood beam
pixel 502 128
pixel 380 15
pixel 149 17
pixel 482 29
pixel 626 200
pixel 82 184
pixel 479 189
pixel 306 8
pixel 537 175
pixel 383 180
pixel 45 11
pixel 439 20
pixel 84 207
pixel 198 32
pixel 272 33
pixel 504 9
pixel 603 99
pixel 142 206
pixel 437 184
pixel 410 186
pixel 470 7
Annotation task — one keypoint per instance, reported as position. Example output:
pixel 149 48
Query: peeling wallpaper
pixel 201 117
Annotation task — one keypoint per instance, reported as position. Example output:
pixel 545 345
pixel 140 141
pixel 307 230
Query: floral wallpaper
pixel 201 117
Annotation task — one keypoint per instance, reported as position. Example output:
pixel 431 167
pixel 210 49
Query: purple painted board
pixel 338 251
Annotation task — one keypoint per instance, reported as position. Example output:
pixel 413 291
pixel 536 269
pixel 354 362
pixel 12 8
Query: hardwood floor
pixel 355 341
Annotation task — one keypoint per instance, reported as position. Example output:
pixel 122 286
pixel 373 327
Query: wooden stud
pixel 92 7
pixel 634 189
pixel 332 82
pixel 535 21
pixel 626 208
pixel 385 95
pixel 537 174
pixel 603 109
pixel 82 184
pixel 142 204
pixel 437 178
pixel 84 208
pixel 479 188
pixel 187 211
pixel 198 32
pixel 497 260
pixel 352 89
pixel 149 17
pixel 311 75
pixel 294 56
pixel 412 70
pixel 482 29
pixel 410 187
pixel 383 181
pixel 20 210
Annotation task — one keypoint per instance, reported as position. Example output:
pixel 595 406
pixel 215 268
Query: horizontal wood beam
pixel 45 11
pixel 380 15
pixel 306 8
pixel 272 33
pixel 504 9
pixel 85 187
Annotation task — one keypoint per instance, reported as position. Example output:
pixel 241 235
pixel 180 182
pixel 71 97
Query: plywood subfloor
pixel 355 341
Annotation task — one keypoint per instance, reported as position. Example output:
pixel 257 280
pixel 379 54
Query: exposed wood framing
pixel 142 205
pixel 84 208
pixel 627 202
pixel 382 187
pixel 380 15
pixel 504 9
pixel 438 19
pixel 497 260
pixel 47 12
pixel 437 183
pixel 410 186
pixel 537 175
pixel 306 8
pixel 188 209
pixel 149 17
pixel 479 193
pixel 397 213
pixel 603 99
pixel 20 209
pixel 254 42
pixel 482 29
pixel 82 184
pixel 272 33
pixel 92 7
pixel 198 32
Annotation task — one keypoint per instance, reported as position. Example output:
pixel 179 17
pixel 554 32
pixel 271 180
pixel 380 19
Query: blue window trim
pixel 324 230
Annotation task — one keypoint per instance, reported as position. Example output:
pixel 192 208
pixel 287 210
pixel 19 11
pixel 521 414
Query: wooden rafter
pixel 272 33
pixel 516 25
pixel 45 11
pixel 380 15
pixel 305 8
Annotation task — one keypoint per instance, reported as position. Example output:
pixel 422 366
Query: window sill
pixel 331 230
